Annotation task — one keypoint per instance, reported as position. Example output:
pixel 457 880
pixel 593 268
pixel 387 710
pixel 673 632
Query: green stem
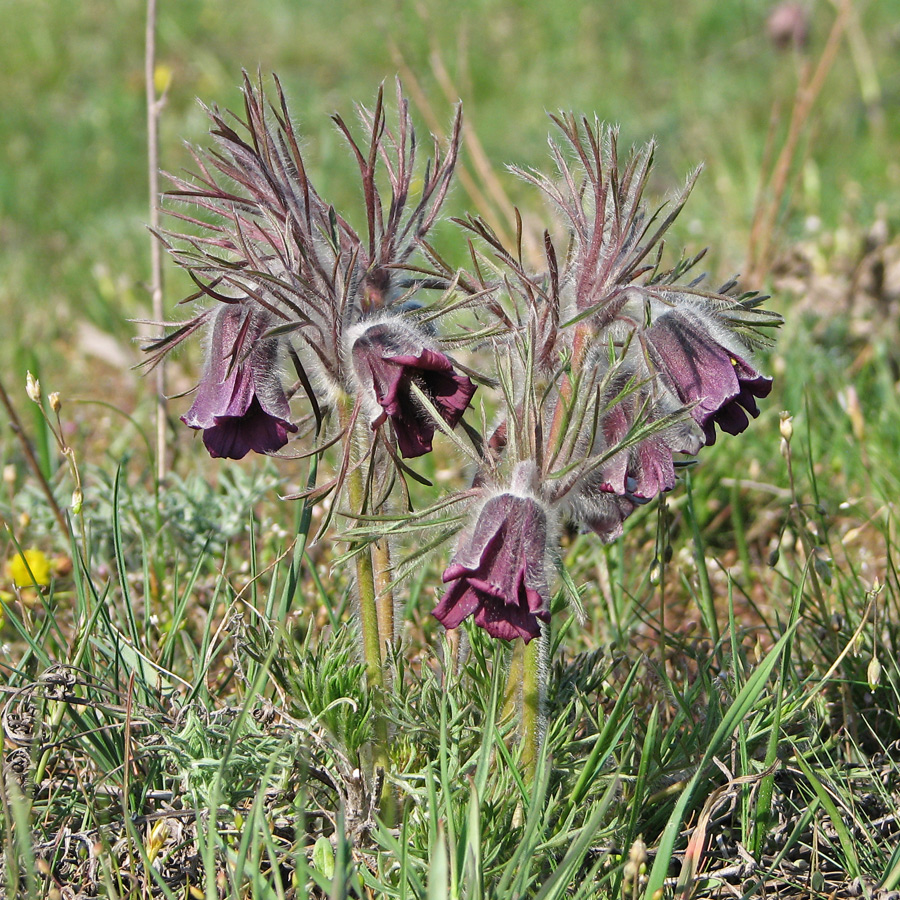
pixel 514 679
pixel 365 573
pixel 706 601
pixel 384 598
pixel 532 702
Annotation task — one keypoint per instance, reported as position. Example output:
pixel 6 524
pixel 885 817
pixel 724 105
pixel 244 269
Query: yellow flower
pixel 29 568
pixel 162 78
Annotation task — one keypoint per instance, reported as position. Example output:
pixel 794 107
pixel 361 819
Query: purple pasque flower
pixel 704 372
pixel 632 458
pixel 388 357
pixel 602 512
pixel 273 236
pixel 498 573
pixel 240 404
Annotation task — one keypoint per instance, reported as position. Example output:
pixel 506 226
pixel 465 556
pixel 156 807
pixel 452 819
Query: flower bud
pixel 638 852
pixel 822 565
pixel 77 501
pixel 32 387
pixel 786 426
pixel 9 475
pixel 55 401
pixel 873 673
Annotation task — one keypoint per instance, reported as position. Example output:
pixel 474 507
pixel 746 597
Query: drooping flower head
pixel 292 257
pixel 389 358
pixel 714 380
pixel 240 404
pixel 621 369
pixel 498 573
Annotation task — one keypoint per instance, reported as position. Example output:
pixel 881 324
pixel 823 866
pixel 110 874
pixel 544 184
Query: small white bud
pixel 9 475
pixel 873 672
pixel 55 401
pixel 786 426
pixel 32 387
pixel 77 501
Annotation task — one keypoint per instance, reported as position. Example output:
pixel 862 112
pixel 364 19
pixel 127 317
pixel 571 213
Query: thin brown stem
pixel 33 464
pixel 468 182
pixel 154 106
pixel 808 90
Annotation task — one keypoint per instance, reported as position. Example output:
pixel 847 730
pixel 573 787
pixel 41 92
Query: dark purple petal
pixel 645 469
pixel 653 469
pixel 702 372
pixel 391 374
pixel 498 572
pixel 233 437
pixel 240 403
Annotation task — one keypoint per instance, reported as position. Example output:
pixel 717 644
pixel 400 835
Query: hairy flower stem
pixel 367 595
pixel 532 701
pixel 524 696
pixel 514 679
pixel 384 599
pixel 365 573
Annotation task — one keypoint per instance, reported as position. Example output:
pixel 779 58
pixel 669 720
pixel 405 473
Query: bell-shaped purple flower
pixel 388 358
pixel 498 572
pixel 240 404
pixel 646 468
pixel 721 386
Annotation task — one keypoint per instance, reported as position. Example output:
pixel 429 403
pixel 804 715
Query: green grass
pixel 728 712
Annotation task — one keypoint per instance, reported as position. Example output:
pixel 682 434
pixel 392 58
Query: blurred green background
pixel 701 75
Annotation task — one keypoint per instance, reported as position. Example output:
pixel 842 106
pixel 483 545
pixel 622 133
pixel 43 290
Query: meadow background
pixel 163 604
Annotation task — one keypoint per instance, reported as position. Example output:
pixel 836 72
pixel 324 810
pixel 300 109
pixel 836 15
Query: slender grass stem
pixel 707 603
pixel 33 464
pixel 154 107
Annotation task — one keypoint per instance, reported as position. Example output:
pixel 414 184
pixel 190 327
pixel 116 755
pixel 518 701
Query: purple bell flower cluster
pixel 616 371
pixel 289 279
pixel 611 369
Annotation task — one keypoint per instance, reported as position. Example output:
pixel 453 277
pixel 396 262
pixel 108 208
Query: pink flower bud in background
pixel 788 26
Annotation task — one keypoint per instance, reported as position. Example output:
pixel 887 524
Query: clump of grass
pixel 231 758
